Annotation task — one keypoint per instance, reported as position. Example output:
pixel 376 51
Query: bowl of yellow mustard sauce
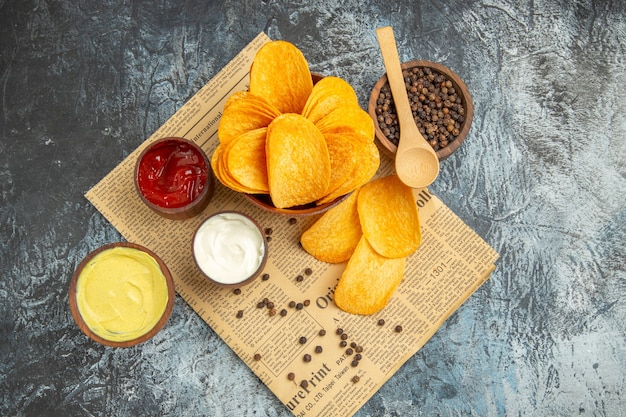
pixel 121 294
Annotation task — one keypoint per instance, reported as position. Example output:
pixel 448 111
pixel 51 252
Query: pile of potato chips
pixel 374 229
pixel 298 142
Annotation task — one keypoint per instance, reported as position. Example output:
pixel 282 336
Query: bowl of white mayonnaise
pixel 230 248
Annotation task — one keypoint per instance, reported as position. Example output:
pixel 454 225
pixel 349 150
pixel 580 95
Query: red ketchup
pixel 172 174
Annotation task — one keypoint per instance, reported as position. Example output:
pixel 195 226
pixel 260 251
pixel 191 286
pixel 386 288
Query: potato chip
pixel 353 162
pixel 246 162
pixel 242 113
pixel 327 95
pixel 369 280
pixel 347 119
pixel 343 159
pixel 280 75
pixel 218 164
pixel 334 236
pixel 389 217
pixel 298 164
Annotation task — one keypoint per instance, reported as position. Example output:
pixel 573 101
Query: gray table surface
pixel 541 178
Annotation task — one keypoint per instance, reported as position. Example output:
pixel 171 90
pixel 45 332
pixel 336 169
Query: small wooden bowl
pixel 191 209
pixel 388 147
pixel 171 294
pixel 261 234
pixel 265 202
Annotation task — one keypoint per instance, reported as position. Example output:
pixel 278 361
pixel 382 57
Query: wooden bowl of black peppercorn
pixel 441 103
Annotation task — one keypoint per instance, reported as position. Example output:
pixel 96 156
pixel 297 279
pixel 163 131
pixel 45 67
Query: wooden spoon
pixel 417 164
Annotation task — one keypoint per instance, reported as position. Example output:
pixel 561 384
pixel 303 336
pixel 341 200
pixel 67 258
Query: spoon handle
pixel 391 59
pixel 416 163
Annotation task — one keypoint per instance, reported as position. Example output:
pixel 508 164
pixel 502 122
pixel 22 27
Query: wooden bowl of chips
pixel 264 201
pixel 441 104
pixel 296 143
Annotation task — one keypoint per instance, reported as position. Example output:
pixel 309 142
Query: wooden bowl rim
pixel 263 201
pixel 388 147
pixel 171 296
pixel 258 271
pixel 196 206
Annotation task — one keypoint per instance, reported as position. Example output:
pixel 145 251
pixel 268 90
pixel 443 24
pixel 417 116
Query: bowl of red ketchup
pixel 173 177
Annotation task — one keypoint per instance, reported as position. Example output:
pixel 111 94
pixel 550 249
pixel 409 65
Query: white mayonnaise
pixel 229 247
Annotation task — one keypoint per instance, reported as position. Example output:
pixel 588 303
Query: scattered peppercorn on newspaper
pixel 317 359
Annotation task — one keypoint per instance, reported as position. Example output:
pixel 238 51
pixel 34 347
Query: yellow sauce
pixel 121 294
